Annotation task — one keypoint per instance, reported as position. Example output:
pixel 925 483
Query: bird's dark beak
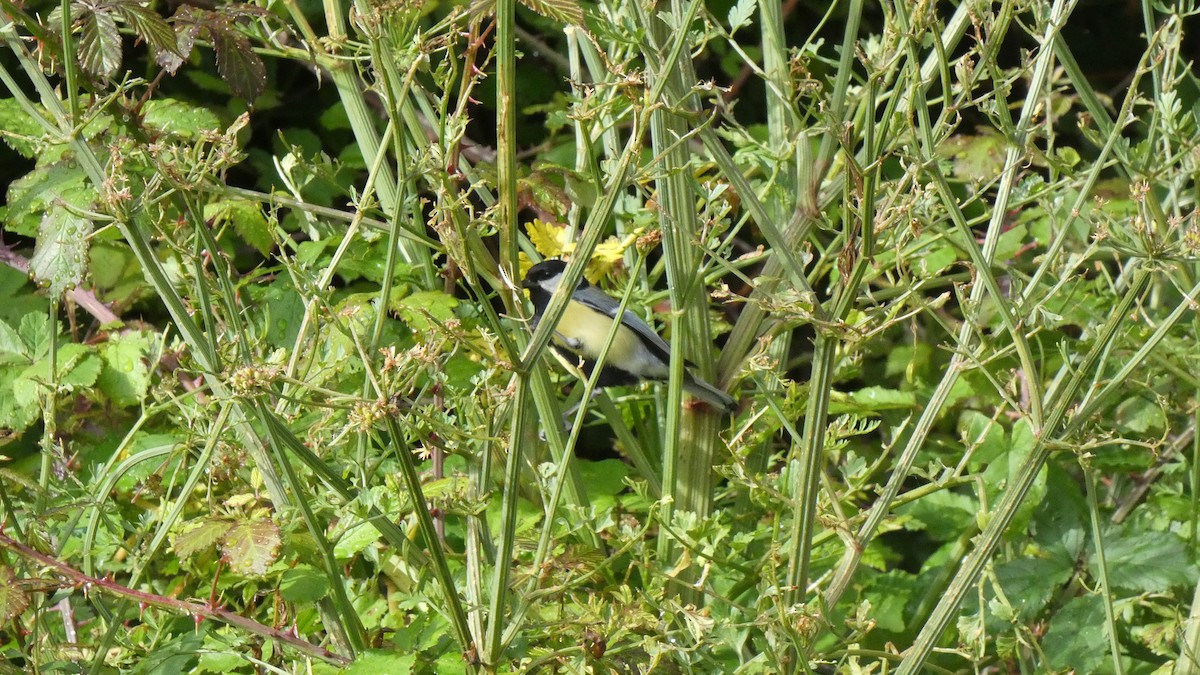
pixel 525 283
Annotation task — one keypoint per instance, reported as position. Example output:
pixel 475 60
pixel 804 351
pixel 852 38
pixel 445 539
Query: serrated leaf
pixel 1005 470
pixel 741 13
pixel 185 39
pixel 18 128
pixel 60 256
pixel 180 119
pixel 890 594
pixel 416 309
pixel 149 26
pixel 1146 562
pixel 35 333
pixel 99 43
pixel 247 220
pixel 1030 583
pixel 13 600
pixel 200 535
pixel 376 662
pixel 251 547
pixel 17 413
pixel 10 341
pixel 126 375
pixel 354 540
pixel 78 366
pixel 1076 629
pixel 237 63
pixel 882 398
pixel 563 11
pixel 32 195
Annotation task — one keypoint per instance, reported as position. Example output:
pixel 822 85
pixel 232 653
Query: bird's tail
pixel 709 394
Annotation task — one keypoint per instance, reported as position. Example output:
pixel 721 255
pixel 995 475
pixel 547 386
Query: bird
pixel 637 352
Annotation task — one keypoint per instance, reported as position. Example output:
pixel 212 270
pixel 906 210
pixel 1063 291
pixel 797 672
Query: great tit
pixel 637 352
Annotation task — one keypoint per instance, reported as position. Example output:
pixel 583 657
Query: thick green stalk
pixel 1105 588
pixel 506 132
pixel 805 487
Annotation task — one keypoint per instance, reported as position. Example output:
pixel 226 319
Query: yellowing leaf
pixel 13 600
pixel 250 548
pixel 553 241
pixel 548 238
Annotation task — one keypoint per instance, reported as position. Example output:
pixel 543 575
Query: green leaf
pixel 934 260
pixel 1141 416
pixel 35 193
pixel 562 11
pixel 19 297
pixel 982 434
pixel 35 333
pixel 303 583
pixel 19 130
pixel 416 309
pixel 1145 562
pixel 174 656
pixel 247 219
pixel 60 256
pixel 200 535
pixel 889 594
pixel 605 477
pixel 213 661
pixel 11 342
pixel 943 514
pixel 974 158
pixel 356 538
pixel 251 547
pixel 17 413
pixel 741 14
pixel 78 366
pixel 450 663
pixel 1002 472
pixel 99 43
pixel 126 375
pixel 1076 633
pixel 881 398
pixel 1010 243
pixel 1030 583
pixel 180 119
pixel 382 663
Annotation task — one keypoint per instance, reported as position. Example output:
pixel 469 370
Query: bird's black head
pixel 545 276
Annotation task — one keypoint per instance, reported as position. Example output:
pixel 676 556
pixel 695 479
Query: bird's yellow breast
pixel 586 330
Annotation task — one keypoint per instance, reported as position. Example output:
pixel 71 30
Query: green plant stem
pixel 1105 589
pixel 506 132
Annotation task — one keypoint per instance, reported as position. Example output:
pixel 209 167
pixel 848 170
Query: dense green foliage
pixel 269 401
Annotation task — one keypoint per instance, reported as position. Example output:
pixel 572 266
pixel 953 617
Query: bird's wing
pixel 607 305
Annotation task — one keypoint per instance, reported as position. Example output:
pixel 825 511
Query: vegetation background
pixel 269 402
